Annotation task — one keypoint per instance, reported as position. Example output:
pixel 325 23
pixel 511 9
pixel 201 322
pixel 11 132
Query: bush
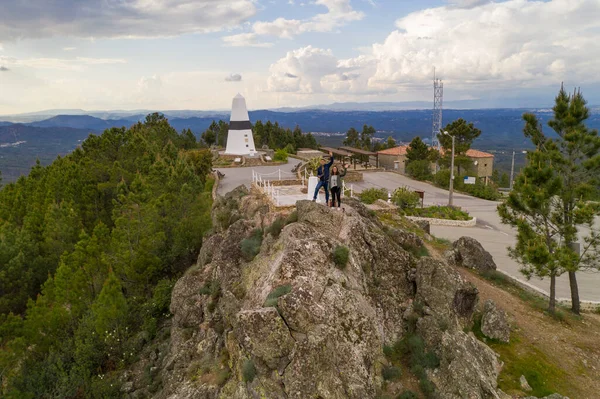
pixel 251 246
pixel 419 170
pixel 292 218
pixel 371 195
pixel 405 199
pixel 276 227
pixel 281 156
pixel 438 212
pixel 290 149
pixel 442 178
pixel 276 293
pixel 340 256
pixel 408 395
pixel 248 370
pixel 480 190
pixel 391 373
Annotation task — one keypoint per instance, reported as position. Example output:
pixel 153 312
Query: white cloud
pixel 69 48
pixel 119 18
pixel 75 64
pixel 245 40
pixel 234 77
pixel 478 49
pixel 339 13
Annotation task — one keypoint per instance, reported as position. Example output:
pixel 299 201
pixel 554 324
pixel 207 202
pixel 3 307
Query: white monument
pixel 239 139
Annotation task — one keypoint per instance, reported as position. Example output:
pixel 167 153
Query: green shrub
pixel 442 178
pixel 480 190
pixel 161 297
pixel 251 246
pixel 248 370
pixel 407 395
pixel 427 387
pixel 276 293
pixel 371 195
pixel 419 169
pixel 275 228
pixel 404 198
pixel 212 288
pixel 290 149
pixel 292 218
pixel 340 256
pixel 438 212
pixel 281 156
pixel 391 373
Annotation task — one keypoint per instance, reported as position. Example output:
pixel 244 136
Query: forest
pixel 90 247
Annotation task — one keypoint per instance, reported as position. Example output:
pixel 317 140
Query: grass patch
pixel 275 228
pixel 248 370
pixel 340 256
pixel 251 246
pixel 391 373
pixel 417 252
pixel 292 218
pixel 408 395
pixel 280 291
pixel 371 195
pixel 535 301
pixel 438 212
pixel 210 371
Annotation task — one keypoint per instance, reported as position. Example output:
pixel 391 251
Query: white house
pixel 239 138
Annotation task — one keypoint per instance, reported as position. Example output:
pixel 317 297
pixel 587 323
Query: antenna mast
pixel 438 96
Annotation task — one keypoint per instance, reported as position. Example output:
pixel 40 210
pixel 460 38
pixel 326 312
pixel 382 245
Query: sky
pixel 197 54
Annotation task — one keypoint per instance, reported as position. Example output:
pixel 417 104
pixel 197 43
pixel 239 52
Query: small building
pixel 395 159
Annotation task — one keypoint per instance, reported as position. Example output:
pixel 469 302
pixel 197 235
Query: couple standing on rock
pixel 331 180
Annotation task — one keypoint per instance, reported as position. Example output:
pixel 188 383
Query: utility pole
pixel 451 188
pixel 512 171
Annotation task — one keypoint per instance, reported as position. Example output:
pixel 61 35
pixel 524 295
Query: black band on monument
pixel 240 125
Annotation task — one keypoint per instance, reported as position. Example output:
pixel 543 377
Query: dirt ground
pixel 573 345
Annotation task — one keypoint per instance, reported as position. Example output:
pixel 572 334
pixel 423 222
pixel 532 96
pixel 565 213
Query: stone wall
pixel 445 222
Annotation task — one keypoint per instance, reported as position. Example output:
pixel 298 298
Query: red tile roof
pixel 400 150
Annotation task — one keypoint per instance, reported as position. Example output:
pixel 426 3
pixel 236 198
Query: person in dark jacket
pixel 336 185
pixel 323 175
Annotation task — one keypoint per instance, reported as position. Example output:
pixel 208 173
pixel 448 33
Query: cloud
pixel 290 75
pixel 339 13
pixel 3 68
pixel 468 3
pixel 494 43
pixel 245 40
pixel 69 48
pixel 234 77
pixel 120 18
pixel 74 64
pixel 475 50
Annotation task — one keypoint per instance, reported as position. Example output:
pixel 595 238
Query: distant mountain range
pixel 53 135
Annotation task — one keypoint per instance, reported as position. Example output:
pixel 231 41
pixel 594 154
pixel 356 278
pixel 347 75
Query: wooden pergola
pixel 359 152
pixel 336 151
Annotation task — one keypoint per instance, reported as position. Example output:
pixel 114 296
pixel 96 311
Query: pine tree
pixel 531 208
pixel 464 134
pixel 577 165
pixel 110 310
pixel 352 138
pixel 418 159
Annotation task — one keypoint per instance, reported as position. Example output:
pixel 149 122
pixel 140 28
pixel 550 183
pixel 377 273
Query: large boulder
pixel 468 252
pixel 553 396
pixel 494 322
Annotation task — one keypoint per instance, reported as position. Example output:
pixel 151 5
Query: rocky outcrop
pixel 553 396
pixel 494 322
pixel 468 252
pixel 291 323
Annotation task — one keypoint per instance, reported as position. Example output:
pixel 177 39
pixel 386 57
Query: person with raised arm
pixel 323 175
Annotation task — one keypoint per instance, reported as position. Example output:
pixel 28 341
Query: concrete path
pixel 490 232
pixel 235 177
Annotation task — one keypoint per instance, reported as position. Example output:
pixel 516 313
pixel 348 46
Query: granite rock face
pixel 292 324
pixel 494 322
pixel 468 252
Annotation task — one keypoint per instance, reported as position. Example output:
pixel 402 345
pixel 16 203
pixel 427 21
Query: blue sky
pixel 197 54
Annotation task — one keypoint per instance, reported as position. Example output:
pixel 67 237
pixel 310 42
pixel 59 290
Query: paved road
pixel 490 232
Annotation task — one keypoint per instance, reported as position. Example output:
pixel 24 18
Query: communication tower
pixel 438 96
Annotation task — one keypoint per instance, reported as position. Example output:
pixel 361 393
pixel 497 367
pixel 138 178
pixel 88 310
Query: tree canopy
pixel 86 244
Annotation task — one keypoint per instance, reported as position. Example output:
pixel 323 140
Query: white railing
pixel 276 175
